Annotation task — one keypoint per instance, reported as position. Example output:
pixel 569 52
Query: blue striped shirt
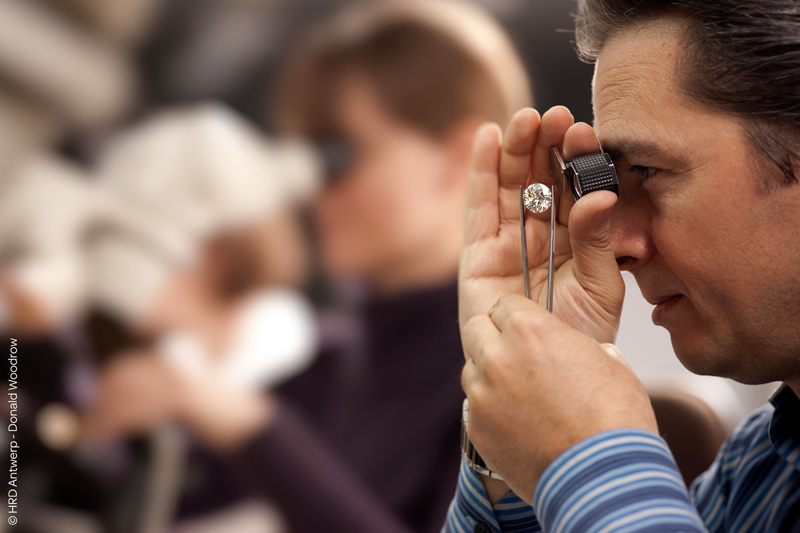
pixel 626 480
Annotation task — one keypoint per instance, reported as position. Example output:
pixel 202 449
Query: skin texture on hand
pixel 588 290
pixel 536 387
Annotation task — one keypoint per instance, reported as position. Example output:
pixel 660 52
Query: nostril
pixel 624 262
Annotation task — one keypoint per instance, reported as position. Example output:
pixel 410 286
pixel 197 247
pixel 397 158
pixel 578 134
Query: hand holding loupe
pixel 581 175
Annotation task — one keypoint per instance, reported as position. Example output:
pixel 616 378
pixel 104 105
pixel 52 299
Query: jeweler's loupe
pixel 583 174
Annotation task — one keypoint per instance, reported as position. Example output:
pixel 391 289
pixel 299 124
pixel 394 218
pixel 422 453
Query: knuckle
pixel 518 319
pixel 498 364
pixel 505 300
pixel 471 326
pixel 492 361
pixel 526 325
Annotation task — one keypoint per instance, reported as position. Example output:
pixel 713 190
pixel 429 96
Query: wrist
pixel 495 489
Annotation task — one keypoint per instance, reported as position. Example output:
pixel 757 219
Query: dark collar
pixel 784 427
pixel 419 311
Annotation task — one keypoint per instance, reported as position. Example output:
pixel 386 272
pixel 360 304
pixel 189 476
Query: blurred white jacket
pixel 47 206
pixel 179 179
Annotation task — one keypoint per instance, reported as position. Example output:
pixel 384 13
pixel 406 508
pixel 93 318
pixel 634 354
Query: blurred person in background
pixel 77 84
pixel 359 442
pixel 47 208
pixel 66 71
pixel 179 265
pixel 168 242
pixel 65 68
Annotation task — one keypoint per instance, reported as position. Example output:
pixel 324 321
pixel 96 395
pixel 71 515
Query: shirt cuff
pixel 471 505
pixel 471 508
pixel 614 480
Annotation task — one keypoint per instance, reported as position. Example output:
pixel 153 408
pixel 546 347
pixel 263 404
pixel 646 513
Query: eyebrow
pixel 635 148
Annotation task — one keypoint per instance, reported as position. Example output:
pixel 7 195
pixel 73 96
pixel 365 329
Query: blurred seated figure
pixel 361 442
pixel 392 93
pixel 196 187
pixel 47 208
pixel 178 263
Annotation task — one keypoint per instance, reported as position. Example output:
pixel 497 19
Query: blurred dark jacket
pixel 367 440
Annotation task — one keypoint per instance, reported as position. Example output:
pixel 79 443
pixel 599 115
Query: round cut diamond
pixel 537 198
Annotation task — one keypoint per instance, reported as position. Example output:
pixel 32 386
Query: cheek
pixel 376 211
pixel 396 188
pixel 704 236
pixel 350 212
pixel 368 200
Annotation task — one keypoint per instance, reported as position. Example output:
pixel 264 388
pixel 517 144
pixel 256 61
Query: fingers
pixel 554 126
pixel 513 310
pixel 579 140
pixel 475 335
pixel 596 266
pixel 515 160
pixel 482 204
pixel 555 123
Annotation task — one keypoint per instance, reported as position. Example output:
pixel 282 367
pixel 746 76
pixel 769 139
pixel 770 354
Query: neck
pixel 432 266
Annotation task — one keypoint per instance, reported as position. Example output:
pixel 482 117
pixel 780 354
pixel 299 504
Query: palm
pixel 491 262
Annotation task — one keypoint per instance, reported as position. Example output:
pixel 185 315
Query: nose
pixel 630 234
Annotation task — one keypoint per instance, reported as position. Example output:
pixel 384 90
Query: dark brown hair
pixel 741 57
pixel 422 73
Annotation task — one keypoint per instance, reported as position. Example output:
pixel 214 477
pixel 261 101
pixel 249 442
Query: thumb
pixel 596 266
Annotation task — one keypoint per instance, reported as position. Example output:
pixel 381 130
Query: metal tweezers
pixel 525 268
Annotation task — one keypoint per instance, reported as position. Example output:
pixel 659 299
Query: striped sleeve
pixel 619 480
pixel 471 511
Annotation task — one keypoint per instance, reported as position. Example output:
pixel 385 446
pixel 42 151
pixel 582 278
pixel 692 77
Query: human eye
pixel 645 173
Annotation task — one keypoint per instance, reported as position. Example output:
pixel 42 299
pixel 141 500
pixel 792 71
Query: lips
pixel 657 300
pixel 664 306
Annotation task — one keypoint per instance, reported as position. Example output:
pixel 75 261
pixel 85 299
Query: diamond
pixel 537 198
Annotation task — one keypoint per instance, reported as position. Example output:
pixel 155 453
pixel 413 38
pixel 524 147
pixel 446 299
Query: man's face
pixel 717 253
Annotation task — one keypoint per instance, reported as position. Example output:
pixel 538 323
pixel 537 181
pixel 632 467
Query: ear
pixel 458 143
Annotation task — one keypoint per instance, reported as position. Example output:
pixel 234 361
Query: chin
pixel 706 357
pixel 719 348
pixel 339 270
pixel 341 265
pixel 700 354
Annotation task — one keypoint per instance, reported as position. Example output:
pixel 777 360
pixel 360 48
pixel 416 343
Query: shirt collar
pixel 784 427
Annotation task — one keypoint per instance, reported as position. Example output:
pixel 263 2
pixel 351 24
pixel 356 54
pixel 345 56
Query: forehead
pixel 636 89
